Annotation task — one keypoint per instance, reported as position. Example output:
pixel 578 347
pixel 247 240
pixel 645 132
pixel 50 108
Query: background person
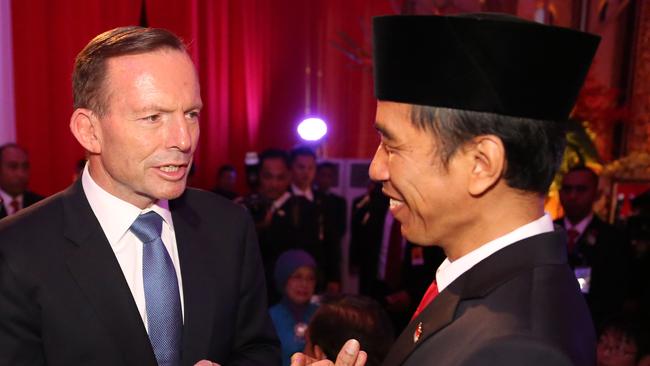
pixel 14 180
pixel 346 317
pixel 599 253
pixel 295 274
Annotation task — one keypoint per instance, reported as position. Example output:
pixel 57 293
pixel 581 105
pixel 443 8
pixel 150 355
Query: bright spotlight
pixel 312 129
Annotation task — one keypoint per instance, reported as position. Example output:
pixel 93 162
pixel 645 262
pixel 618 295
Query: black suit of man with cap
pixel 471 112
pixel 492 92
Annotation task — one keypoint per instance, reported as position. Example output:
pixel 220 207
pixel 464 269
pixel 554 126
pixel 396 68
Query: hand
pixel 206 363
pixel 350 355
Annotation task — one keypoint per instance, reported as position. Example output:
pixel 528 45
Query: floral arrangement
pixel 635 166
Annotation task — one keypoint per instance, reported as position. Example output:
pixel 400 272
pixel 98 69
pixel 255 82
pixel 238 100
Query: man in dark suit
pixel 127 266
pixel 14 179
pixel 283 220
pixel 471 112
pixel 332 217
pixel 598 253
pixel 329 219
pixel 396 279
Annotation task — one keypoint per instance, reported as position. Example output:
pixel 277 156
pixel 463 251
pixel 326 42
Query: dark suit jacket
pixel 64 299
pixel 331 209
pixel 606 250
pixel 29 198
pixel 368 217
pixel 520 306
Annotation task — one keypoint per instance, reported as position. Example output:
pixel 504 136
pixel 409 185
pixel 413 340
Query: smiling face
pixel 143 146
pixel 429 200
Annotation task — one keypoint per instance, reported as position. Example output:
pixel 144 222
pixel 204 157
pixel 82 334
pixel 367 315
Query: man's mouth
pixel 170 168
pixel 395 203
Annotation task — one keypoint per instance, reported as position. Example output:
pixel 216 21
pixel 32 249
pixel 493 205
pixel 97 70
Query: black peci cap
pixel 483 62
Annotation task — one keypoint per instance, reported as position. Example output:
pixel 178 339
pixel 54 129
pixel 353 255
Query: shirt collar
pixel 579 227
pixel 6 198
pixel 115 215
pixel 449 271
pixel 307 193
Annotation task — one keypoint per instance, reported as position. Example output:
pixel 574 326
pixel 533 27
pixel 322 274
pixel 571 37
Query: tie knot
pixel 147 227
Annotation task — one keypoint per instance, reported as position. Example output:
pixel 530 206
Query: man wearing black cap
pixel 470 113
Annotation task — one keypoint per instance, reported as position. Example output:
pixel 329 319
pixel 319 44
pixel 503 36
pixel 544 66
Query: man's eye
pixel 152 118
pixel 192 114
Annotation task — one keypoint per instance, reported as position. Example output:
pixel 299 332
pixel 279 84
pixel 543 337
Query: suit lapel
pixel 93 265
pixel 199 296
pixel 433 318
pixel 478 282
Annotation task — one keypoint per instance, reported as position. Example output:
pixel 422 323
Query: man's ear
pixel 318 353
pixel 488 163
pixel 84 127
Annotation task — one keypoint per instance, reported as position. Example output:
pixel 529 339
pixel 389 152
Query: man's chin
pixel 171 193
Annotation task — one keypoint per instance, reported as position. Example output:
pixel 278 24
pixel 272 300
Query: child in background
pixel 342 318
pixel 295 273
pixel 619 344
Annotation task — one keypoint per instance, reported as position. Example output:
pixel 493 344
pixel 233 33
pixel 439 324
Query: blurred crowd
pixel 301 224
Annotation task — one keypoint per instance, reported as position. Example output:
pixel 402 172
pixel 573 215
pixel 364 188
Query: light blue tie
pixel 162 298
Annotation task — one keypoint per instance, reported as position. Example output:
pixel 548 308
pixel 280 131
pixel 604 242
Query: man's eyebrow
pixel 383 131
pixel 150 108
pixel 197 106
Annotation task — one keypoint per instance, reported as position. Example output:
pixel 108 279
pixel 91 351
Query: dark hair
pixel 90 65
pixel 351 316
pixel 534 148
pixel 301 151
pixel 226 168
pixel 586 169
pixel 630 329
pixel 326 165
pixel 274 154
pixel 10 145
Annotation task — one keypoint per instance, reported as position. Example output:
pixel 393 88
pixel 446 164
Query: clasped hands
pixel 350 355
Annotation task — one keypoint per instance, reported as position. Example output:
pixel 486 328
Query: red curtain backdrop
pixel 47 35
pixel 252 57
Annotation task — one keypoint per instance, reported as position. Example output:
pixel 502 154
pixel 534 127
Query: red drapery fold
pixel 47 35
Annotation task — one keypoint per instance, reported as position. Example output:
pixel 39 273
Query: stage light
pixel 312 129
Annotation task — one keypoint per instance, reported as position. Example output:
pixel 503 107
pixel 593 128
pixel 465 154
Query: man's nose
pixel 378 170
pixel 180 133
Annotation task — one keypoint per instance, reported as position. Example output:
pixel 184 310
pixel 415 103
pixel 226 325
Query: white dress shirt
pixel 115 217
pixel 450 271
pixel 307 193
pixel 579 227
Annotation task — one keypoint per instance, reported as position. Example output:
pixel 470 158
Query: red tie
pixel 15 205
pixel 572 238
pixel 431 294
pixel 392 276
